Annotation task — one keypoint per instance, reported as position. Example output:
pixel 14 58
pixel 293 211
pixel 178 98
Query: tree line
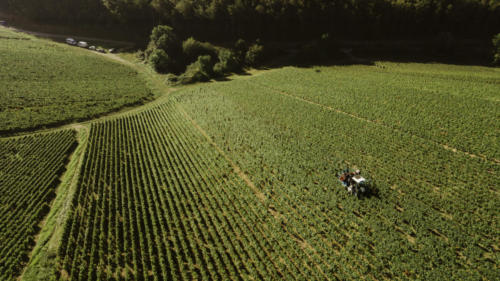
pixel 280 19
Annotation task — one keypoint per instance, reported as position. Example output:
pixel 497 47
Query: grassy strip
pixel 43 258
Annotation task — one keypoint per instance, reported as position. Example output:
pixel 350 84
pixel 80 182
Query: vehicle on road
pixel 92 48
pixel 83 44
pixel 101 50
pixel 71 41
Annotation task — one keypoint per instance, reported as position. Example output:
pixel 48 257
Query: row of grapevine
pixel 30 168
pixel 437 212
pixel 429 107
pixel 155 201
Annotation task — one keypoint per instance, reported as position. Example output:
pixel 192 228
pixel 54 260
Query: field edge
pixel 43 257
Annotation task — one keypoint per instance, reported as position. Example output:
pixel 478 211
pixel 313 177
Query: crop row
pixel 156 202
pixel 436 212
pixel 30 167
pixel 457 111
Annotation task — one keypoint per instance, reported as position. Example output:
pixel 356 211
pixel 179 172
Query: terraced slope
pixel 30 168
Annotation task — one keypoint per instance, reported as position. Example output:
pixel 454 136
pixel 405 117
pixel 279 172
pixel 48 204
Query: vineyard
pixel 432 154
pixel 237 181
pixel 43 83
pixel 157 202
pixel 30 168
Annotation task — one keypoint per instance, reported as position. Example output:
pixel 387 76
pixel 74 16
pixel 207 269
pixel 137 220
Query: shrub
pixel 199 71
pixel 254 55
pixel 240 49
pixel 496 49
pixel 140 55
pixel 228 62
pixel 160 61
pixel 193 48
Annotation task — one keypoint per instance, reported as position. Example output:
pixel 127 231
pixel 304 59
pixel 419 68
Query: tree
pixel 496 49
pixel 164 50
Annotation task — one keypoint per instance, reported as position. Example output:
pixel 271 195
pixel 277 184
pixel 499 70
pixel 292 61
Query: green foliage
pixel 287 19
pixel 199 71
pixel 163 37
pixel 44 83
pixel 255 55
pixel 29 170
pixel 228 62
pixel 193 48
pixel 240 49
pixel 161 62
pixel 164 50
pixel 496 49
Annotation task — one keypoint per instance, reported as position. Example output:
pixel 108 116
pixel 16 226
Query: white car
pixel 71 41
pixel 92 48
pixel 83 44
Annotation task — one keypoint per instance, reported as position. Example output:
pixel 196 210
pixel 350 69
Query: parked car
pixel 2 22
pixel 71 41
pixel 112 50
pixel 101 50
pixel 83 44
pixel 92 48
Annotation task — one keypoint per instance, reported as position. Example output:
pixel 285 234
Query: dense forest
pixel 280 19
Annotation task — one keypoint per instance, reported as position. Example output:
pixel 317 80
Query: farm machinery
pixel 354 183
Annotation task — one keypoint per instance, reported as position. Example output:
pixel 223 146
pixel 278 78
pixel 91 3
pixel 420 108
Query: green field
pixel 43 83
pixel 30 168
pixel 414 135
pixel 237 180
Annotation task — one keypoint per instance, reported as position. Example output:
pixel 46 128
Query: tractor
pixel 354 183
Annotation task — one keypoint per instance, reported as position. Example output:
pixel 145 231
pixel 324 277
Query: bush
pixel 496 49
pixel 255 55
pixel 199 71
pixel 228 62
pixel 160 61
pixel 240 49
pixel 193 48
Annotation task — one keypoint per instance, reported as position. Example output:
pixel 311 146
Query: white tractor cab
pixel 353 181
